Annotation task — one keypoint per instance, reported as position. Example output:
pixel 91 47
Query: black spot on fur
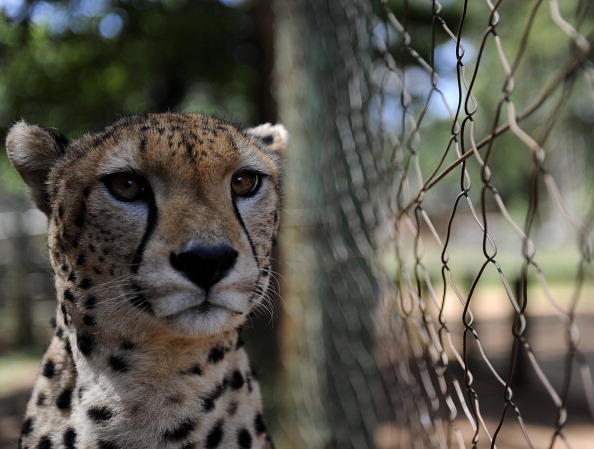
pixel 90 302
pixel 85 343
pixel 237 380
pixel 216 354
pixel 81 259
pixel 67 347
pixel 267 140
pixel 80 218
pixel 70 438
pixel 45 443
pixel 244 439
pixel 209 402
pixel 81 391
pixel 196 370
pixel 64 314
pixel 215 436
pixel 72 277
pixel 99 414
pixel 52 322
pixel 68 295
pixel 64 399
pixel 118 363
pixel 49 369
pixel 259 424
pixel 59 333
pixel 181 431
pixel 86 192
pixel 127 345
pixel 88 320
pixel 85 283
pixel 41 399
pixel 27 426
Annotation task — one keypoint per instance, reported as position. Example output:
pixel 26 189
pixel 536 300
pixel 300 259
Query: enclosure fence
pixel 438 227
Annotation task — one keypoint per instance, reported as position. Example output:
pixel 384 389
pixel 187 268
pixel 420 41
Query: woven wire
pixel 432 287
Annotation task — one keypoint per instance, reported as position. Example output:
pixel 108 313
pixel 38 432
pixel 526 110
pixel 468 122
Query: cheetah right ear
pixel 33 151
pixel 273 139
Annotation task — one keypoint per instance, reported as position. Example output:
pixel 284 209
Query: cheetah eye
pixel 245 183
pixel 126 186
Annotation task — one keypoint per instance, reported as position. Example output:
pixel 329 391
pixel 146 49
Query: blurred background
pixel 435 283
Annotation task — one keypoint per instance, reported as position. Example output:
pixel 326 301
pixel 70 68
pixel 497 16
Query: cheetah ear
pixel 272 138
pixel 33 151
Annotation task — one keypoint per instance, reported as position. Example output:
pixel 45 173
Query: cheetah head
pixel 159 222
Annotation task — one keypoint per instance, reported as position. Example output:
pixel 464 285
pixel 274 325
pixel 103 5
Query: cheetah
pixel 160 228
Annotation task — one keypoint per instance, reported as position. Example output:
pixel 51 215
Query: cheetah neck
pixel 109 392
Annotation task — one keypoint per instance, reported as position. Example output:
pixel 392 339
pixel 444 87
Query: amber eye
pixel 245 183
pixel 126 186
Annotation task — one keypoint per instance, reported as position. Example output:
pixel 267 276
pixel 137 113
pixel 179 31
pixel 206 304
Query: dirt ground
pixel 12 407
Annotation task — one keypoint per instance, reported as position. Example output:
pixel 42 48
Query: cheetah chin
pixel 160 229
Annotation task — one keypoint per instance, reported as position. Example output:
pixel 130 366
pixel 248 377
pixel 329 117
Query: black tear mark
pixel 247 234
pixel 151 223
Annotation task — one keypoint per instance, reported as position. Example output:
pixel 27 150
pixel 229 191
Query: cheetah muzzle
pixel 160 232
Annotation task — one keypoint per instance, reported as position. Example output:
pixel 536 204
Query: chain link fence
pixel 438 228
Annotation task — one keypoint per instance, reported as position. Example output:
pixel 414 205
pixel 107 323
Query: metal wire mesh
pixel 445 299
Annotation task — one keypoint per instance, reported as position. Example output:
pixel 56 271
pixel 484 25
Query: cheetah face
pixel 161 222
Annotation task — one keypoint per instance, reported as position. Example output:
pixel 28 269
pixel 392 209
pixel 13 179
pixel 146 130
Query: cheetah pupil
pixel 160 228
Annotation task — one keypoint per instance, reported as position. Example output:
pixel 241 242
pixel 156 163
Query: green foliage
pixel 75 65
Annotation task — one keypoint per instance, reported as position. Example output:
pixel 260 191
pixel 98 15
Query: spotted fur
pixel 160 253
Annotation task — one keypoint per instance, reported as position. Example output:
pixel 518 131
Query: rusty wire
pixel 444 398
pixel 441 324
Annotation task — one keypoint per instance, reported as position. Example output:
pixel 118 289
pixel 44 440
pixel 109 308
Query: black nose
pixel 205 265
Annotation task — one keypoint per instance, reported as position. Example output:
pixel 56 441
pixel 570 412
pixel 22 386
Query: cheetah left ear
pixel 273 139
pixel 33 151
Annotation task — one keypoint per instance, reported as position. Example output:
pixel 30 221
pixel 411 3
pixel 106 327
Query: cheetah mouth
pixel 207 306
pixel 203 309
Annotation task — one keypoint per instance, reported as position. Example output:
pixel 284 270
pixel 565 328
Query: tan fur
pixel 143 356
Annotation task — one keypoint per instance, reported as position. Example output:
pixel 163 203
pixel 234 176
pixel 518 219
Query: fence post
pixel 18 269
